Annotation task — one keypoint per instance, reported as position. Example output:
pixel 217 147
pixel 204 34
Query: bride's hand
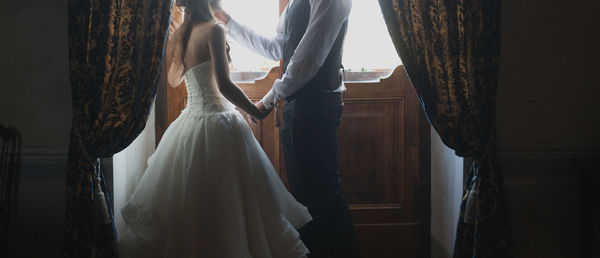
pixel 254 119
pixel 263 112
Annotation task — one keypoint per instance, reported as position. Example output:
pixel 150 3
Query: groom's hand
pixel 222 16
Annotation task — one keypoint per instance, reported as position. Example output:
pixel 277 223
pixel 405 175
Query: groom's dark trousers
pixel 309 138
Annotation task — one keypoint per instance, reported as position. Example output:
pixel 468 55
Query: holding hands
pixel 261 114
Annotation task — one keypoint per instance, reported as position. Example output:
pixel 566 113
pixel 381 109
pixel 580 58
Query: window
pixel 262 16
pixel 369 53
pixel 366 31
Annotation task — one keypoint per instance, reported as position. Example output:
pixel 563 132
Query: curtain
pixel 450 50
pixel 115 50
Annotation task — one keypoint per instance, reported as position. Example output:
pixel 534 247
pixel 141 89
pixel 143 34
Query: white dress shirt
pixel 326 19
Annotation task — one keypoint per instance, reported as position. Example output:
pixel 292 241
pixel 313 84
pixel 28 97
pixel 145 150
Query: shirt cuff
pixel 269 99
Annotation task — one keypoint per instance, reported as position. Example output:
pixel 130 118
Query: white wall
pixel 446 194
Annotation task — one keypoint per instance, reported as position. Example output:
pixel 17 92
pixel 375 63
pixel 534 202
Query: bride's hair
pixel 195 11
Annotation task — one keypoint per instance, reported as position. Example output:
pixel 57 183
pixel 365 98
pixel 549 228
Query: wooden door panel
pixel 370 153
pixel 379 146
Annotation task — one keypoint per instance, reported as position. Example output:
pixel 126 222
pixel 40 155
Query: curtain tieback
pixel 471 205
pixel 100 205
pixel 471 195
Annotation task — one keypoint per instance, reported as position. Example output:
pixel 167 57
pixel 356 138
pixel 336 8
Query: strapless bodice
pixel 202 90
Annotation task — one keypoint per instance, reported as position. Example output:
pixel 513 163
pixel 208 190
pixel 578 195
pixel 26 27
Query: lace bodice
pixel 203 93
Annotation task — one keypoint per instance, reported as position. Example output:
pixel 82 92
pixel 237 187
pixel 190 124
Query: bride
pixel 210 190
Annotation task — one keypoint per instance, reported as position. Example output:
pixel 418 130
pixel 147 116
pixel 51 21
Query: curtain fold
pixel 450 50
pixel 115 50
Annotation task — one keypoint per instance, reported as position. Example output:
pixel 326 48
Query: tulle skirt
pixel 210 191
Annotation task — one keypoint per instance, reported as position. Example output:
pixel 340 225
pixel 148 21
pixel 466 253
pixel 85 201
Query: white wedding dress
pixel 210 190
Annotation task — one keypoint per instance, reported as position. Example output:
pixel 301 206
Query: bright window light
pixel 260 15
pixel 368 46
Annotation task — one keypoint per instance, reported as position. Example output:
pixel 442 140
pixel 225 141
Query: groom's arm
pixel 326 19
pixel 270 48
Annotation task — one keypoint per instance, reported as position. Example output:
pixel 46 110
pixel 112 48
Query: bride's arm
pixel 220 63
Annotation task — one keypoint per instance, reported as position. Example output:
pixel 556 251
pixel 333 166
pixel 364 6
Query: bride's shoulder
pixel 217 29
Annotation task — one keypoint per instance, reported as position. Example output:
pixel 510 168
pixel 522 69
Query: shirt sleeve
pixel 270 48
pixel 325 22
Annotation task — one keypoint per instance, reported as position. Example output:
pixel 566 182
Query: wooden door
pixel 383 157
pixel 383 141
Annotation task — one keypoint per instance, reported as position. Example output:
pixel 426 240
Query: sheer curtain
pixel 128 167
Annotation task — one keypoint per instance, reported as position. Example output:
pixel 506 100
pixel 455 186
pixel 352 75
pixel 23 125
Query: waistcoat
pixel 329 77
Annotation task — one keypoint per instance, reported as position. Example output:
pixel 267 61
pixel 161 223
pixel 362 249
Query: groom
pixel 310 37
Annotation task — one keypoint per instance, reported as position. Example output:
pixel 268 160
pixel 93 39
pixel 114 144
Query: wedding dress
pixel 210 190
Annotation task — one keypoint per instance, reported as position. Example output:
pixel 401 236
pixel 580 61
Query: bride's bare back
pixel 198 48
pixel 207 43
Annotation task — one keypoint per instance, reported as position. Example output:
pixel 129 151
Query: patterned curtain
pixel 115 51
pixel 450 50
